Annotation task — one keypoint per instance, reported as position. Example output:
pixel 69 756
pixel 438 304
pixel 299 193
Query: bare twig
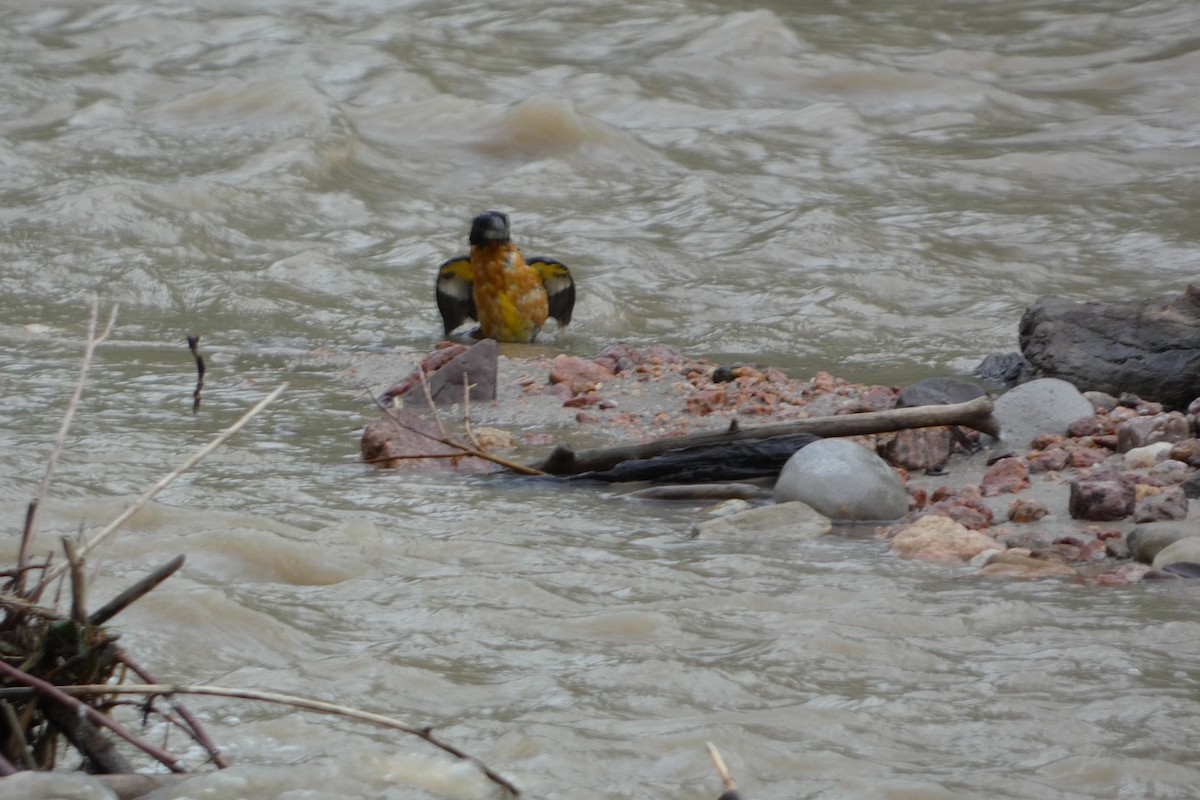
pixel 89 349
pixel 730 792
pixel 437 417
pixel 467 416
pixel 78 584
pixel 304 703
pixel 166 481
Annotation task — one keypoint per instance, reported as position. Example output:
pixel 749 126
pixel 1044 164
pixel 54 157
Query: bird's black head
pixel 488 228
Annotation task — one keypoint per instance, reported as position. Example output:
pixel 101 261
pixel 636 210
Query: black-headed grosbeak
pixel 511 297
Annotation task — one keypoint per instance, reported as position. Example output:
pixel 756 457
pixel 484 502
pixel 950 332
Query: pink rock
pixel 1187 451
pixel 1101 497
pixel 1053 460
pixel 1167 503
pixel 1141 431
pixel 1006 476
pixel 937 538
pixel 1087 426
pixel 1025 509
pixel 579 374
pixel 918 448
pixel 1081 457
pixel 1015 565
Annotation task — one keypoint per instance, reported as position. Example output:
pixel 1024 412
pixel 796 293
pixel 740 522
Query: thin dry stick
pixel 89 349
pixel 78 584
pixel 305 703
pixel 166 481
pixel 721 769
pixel 437 417
pixel 467 416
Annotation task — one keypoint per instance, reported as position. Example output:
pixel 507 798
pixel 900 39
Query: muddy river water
pixel 877 189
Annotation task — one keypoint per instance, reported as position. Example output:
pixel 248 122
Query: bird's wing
pixel 560 286
pixel 455 293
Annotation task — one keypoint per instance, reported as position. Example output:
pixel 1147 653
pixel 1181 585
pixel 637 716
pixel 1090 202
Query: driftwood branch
pixel 304 703
pixel 976 414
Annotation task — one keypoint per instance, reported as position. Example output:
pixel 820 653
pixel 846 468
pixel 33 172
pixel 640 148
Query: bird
pixel 509 295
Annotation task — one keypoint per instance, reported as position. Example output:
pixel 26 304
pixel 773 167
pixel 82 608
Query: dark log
pixel 1148 347
pixel 735 461
pixel 100 751
pixel 976 414
pixel 139 589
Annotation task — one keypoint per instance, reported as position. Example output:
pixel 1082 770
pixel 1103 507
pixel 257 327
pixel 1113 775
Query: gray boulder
pixel 1146 541
pixel 1046 405
pixel 843 481
pixel 1186 550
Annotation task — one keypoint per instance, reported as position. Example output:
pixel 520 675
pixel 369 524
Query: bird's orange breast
pixel 509 296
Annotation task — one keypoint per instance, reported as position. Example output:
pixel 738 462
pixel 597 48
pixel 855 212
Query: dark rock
pixel 1150 348
pixel 1141 431
pixel 1005 370
pixel 937 391
pixel 1101 497
pixel 1184 569
pixel 474 367
pixel 1191 486
pixel 1166 504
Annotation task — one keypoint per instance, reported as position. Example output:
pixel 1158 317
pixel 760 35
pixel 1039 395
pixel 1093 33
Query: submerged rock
pixel 795 520
pixel 842 480
pixel 937 538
